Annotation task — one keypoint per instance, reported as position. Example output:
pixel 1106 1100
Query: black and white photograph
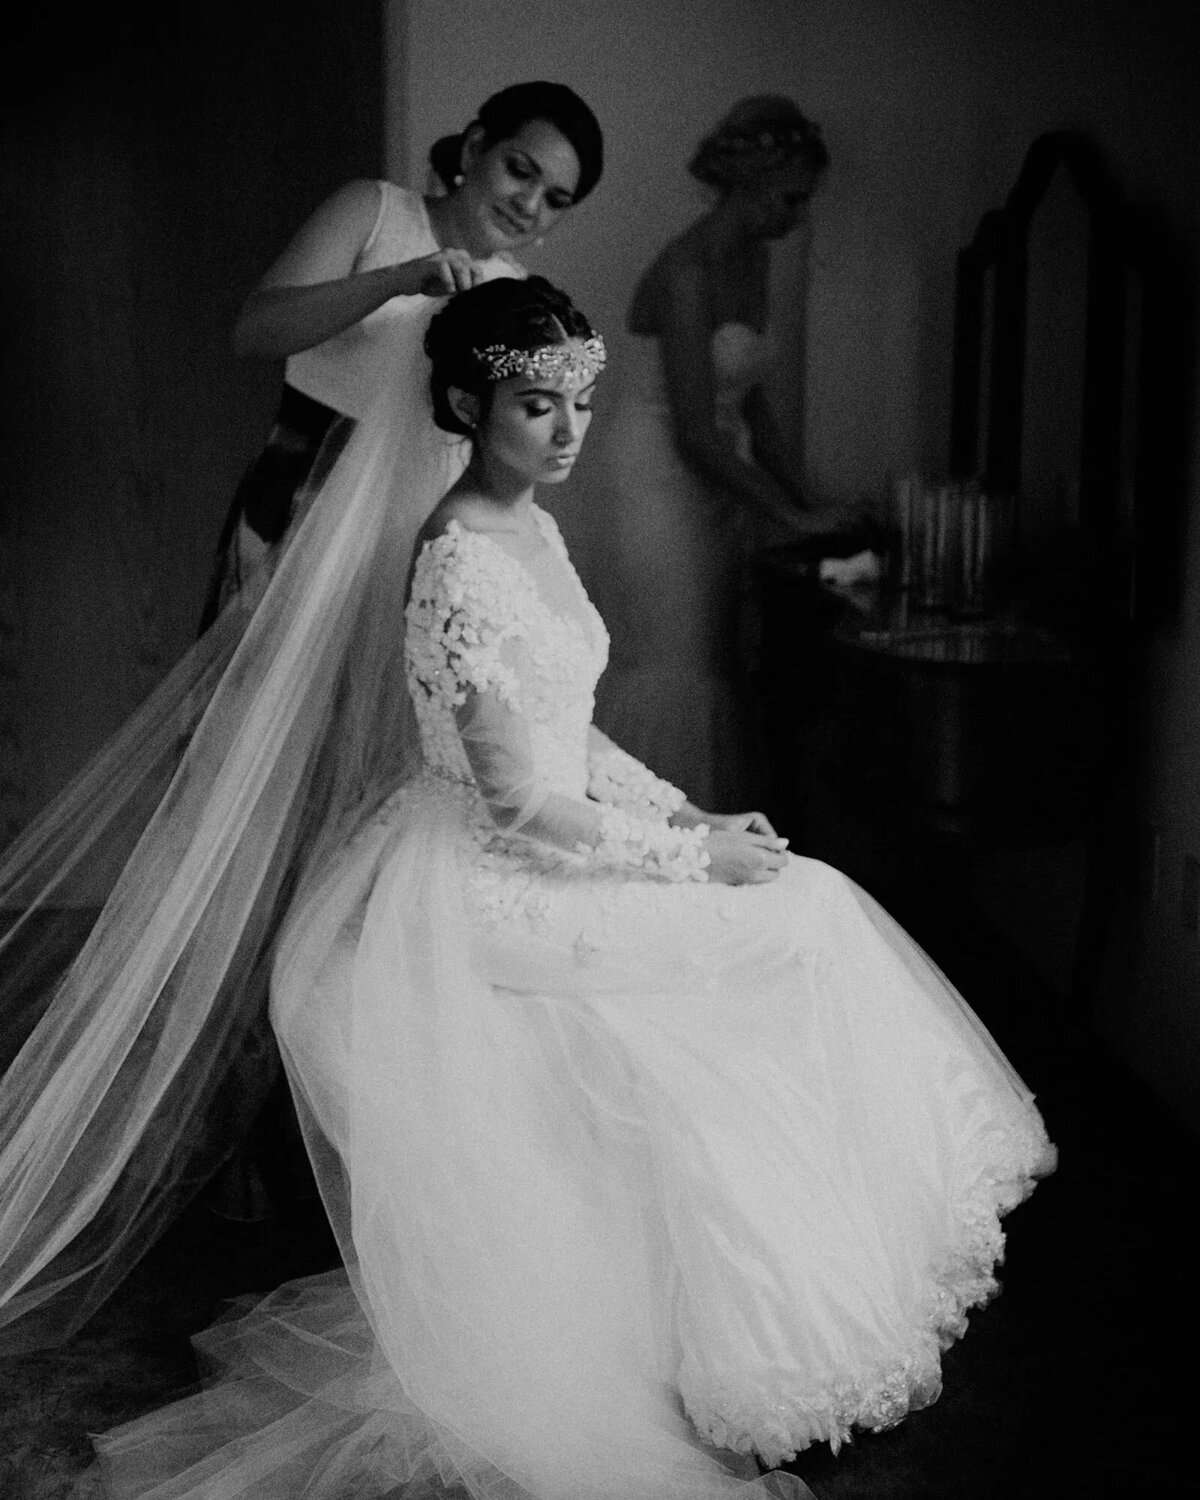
pixel 599 750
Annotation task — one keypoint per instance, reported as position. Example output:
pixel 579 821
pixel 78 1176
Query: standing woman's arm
pixel 845 519
pixel 313 292
pixel 766 443
pixel 685 339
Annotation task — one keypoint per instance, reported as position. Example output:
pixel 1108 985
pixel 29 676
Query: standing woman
pixel 353 290
pixel 698 472
pixel 347 304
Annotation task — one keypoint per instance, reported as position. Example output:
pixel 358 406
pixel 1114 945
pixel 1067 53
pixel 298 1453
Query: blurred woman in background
pixel 698 471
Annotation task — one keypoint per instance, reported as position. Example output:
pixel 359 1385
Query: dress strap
pixel 386 190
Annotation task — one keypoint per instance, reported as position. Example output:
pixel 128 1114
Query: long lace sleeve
pixel 616 777
pixel 471 648
pixel 496 739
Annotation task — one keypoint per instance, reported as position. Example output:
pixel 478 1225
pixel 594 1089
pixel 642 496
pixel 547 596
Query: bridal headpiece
pixel 578 359
pixel 757 136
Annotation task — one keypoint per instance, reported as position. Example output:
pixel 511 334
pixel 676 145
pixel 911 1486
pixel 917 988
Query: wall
pixel 153 161
pixel 659 76
pixel 928 108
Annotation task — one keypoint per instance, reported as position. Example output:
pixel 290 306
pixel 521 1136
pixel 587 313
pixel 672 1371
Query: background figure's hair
pixel 523 315
pixel 757 136
pixel 503 115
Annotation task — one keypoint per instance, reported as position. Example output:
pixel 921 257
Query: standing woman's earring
pixel 458 179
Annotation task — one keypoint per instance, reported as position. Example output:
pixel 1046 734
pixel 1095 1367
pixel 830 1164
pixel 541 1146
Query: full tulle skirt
pixel 625 1172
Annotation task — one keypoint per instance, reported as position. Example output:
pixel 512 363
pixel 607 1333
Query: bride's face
pixel 515 191
pixel 536 426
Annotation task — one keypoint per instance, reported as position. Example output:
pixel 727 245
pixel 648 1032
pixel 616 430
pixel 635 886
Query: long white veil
pixel 188 833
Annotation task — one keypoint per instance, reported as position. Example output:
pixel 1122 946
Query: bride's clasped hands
pixel 742 848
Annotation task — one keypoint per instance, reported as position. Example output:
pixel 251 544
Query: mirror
pixel 1070 389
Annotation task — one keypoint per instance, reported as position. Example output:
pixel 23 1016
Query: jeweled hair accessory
pixel 578 359
pixel 777 139
pixel 757 136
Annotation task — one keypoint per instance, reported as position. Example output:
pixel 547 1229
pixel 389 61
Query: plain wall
pixel 659 75
pixel 928 108
pixel 153 161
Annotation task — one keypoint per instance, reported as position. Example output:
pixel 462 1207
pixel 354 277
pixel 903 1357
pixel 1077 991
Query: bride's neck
pixel 498 490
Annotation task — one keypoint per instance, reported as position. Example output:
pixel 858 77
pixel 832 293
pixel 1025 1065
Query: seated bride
pixel 655 1153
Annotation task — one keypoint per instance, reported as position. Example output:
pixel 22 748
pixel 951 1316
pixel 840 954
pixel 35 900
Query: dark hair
pixel 758 136
pixel 503 115
pixel 520 314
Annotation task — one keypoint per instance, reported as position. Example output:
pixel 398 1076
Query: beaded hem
pixel 776 1425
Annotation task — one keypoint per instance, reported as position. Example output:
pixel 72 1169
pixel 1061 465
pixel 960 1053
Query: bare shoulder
pixel 350 213
pixel 461 506
pixel 437 522
pixel 328 243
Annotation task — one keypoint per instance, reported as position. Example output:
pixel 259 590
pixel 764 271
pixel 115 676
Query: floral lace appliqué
pixel 476 622
pixel 776 1423
pixel 618 779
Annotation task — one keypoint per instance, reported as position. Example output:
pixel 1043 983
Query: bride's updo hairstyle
pixel 506 113
pixel 520 316
pixel 757 136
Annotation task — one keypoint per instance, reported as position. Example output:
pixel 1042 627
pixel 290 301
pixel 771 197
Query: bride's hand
pixel 740 858
pixel 744 822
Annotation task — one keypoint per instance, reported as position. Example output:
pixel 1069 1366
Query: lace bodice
pixel 477 619
pixel 502 655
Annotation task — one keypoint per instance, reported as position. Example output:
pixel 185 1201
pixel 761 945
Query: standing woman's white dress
pixel 602 1146
pixel 674 695
pixel 333 383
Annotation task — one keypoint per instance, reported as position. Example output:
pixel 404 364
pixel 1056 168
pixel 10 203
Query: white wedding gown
pixel 617 1159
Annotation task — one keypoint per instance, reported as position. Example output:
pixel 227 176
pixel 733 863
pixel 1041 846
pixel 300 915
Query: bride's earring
pixel 540 241
pixel 458 179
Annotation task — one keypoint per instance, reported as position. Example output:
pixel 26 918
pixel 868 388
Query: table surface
pixel 882 620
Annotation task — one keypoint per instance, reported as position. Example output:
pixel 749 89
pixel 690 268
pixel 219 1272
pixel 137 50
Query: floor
pixel 1077 1381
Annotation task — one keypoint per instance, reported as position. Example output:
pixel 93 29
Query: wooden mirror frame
pixel 1134 388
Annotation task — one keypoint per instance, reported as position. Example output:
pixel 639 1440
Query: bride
pixel 647 1144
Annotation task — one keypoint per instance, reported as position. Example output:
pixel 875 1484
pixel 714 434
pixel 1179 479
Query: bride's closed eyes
pixel 541 407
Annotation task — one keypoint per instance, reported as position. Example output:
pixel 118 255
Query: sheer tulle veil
pixel 189 833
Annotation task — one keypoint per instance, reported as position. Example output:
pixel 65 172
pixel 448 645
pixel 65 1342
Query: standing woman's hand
pixel 445 273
